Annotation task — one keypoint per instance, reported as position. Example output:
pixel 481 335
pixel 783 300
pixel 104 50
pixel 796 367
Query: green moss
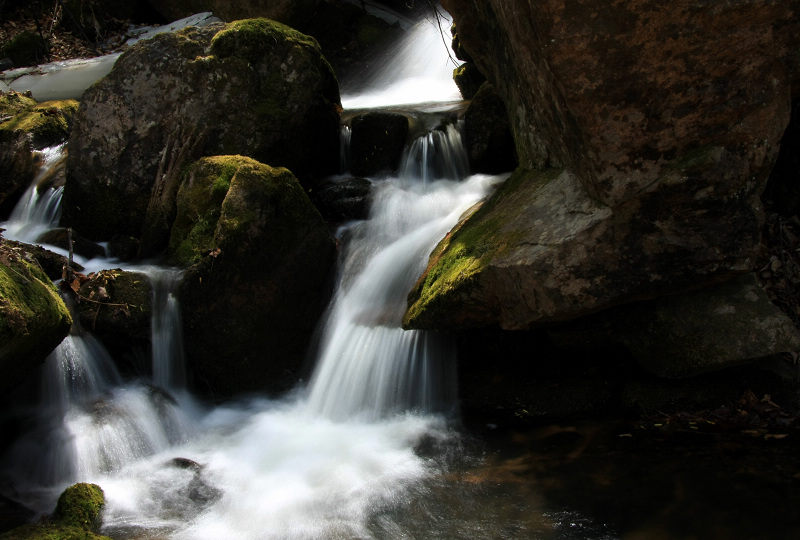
pixel 217 202
pixel 33 318
pixel 76 517
pixel 80 506
pixel 252 38
pixel 11 103
pixel 47 123
pixel 473 245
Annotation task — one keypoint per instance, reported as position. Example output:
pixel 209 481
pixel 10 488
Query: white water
pixel 39 209
pixel 419 71
pixel 322 463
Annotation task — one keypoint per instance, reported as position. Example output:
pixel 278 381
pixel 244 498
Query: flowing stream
pixel 322 463
pixel 368 447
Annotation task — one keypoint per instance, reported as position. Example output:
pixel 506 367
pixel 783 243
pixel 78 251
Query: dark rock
pixel 488 138
pixel 275 99
pixel 116 306
pixel 25 49
pixel 352 39
pixel 60 237
pixel 259 257
pixel 782 193
pixel 124 248
pixel 469 79
pixel 685 335
pixel 342 200
pixel 377 143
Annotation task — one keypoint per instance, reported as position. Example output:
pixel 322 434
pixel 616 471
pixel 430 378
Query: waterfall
pixel 369 367
pixel 169 363
pixel 39 209
pixel 419 71
pixel 324 461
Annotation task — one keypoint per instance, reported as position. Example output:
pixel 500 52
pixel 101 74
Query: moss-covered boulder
pixel 77 517
pixel 33 318
pixel 259 257
pixel 47 123
pixel 542 250
pixel 274 96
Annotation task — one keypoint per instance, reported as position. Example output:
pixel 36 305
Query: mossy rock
pixel 18 164
pixel 275 99
pixel 12 103
pixel 77 517
pixel 260 257
pixel 46 123
pixel 33 318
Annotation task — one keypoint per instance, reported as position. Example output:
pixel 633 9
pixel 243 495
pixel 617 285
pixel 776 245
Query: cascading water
pixel 39 208
pixel 322 463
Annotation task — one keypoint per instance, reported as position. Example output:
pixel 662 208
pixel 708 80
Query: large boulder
pixel 654 128
pixel 33 318
pixel 259 257
pixel 274 98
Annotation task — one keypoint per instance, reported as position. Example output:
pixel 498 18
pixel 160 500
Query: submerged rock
pixel 253 87
pixel 342 200
pixel 259 257
pixel 377 143
pixel 33 318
